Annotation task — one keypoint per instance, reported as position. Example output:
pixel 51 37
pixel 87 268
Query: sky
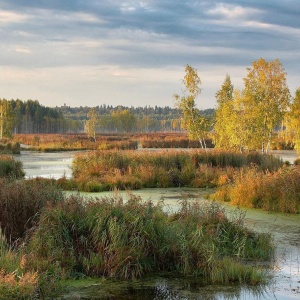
pixel 133 53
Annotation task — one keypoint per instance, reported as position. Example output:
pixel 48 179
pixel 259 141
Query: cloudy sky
pixel 133 53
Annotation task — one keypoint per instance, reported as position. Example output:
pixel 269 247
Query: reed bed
pixel 20 204
pixel 129 239
pixel 46 237
pixel 273 191
pixel 105 170
pixel 10 168
pixel 171 141
pixel 69 142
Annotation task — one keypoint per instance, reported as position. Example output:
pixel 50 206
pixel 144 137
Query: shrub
pixel 10 167
pixel 297 161
pixel 10 148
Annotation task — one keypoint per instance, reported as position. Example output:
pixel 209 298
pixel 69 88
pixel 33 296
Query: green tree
pixel 124 120
pixel 265 98
pixel 293 120
pixel 225 116
pixel 196 125
pixel 6 119
pixel 90 124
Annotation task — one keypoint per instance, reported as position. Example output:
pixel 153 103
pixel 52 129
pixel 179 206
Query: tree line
pixel 18 116
pixel 128 119
pixel 30 116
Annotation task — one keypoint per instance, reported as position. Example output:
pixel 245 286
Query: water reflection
pixel 160 288
pixel 47 165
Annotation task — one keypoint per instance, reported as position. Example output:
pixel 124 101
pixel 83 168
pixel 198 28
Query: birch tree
pixel 6 119
pixel 293 120
pixel 90 124
pixel 266 98
pixel 195 124
pixel 224 116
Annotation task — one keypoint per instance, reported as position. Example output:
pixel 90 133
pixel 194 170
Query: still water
pixel 46 165
pixel 284 281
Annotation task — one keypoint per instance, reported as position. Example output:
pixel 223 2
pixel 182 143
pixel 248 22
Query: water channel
pixel 284 281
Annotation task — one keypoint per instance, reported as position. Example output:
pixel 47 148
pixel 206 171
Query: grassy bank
pixel 106 170
pixel 57 238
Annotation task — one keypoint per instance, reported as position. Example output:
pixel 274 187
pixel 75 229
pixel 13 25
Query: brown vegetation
pixel 104 170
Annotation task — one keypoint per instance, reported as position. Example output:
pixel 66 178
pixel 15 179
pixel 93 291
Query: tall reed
pixel 272 191
pixel 110 237
pixel 136 169
pixel 67 142
pixel 21 203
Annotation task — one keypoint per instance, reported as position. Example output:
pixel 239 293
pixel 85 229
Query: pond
pixel 284 283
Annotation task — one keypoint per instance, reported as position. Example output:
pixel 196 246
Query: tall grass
pixel 21 203
pixel 136 169
pixel 113 238
pixel 74 237
pixel 272 191
pixel 171 141
pixel 10 168
pixel 15 281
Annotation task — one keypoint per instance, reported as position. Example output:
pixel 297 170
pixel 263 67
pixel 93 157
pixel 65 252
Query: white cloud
pixel 22 49
pixel 82 42
pixel 7 17
pixel 133 6
pixel 231 12
pixel 245 17
pixel 70 17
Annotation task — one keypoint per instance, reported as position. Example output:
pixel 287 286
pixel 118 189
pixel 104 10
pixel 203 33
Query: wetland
pixel 284 280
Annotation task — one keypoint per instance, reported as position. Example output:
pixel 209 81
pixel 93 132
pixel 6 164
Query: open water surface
pixel 284 283
pixel 46 165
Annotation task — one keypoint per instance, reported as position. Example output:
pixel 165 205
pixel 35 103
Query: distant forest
pixel 17 116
